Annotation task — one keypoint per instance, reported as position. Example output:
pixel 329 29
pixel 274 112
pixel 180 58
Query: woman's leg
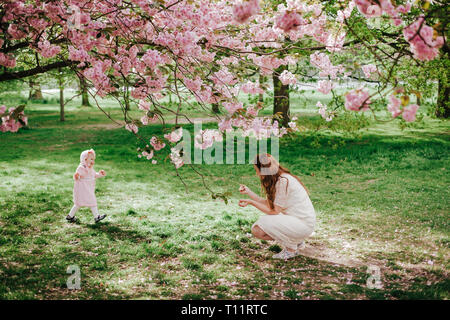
pixel 260 234
pixel 288 231
pixel 73 211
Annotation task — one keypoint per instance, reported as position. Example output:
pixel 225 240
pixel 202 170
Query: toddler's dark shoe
pixel 100 218
pixel 71 219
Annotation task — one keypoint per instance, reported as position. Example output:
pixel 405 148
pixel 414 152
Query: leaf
pixel 405 100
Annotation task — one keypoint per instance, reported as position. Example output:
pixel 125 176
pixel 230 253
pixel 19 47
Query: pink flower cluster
pixel 11 121
pixel 244 10
pixel 287 78
pixel 132 127
pixel 156 143
pixel 147 155
pixel 368 69
pixel 175 135
pixel 357 100
pixel 325 86
pixel 251 88
pixel 323 111
pixel 422 43
pixel 394 106
pixel 322 61
pixel 288 21
pixel 206 138
pixel 7 60
pixel 176 158
pixel 371 8
pixel 232 107
pixel 48 50
pixel 408 113
pixel 145 119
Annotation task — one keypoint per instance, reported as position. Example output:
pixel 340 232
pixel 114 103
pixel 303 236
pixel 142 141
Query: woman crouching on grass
pixel 290 217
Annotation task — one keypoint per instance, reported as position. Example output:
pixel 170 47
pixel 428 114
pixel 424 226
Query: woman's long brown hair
pixel 269 181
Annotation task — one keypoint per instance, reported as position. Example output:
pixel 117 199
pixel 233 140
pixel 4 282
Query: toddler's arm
pixel 80 173
pixel 100 174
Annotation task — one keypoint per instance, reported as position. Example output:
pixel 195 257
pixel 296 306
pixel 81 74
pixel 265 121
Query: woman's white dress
pixel 298 217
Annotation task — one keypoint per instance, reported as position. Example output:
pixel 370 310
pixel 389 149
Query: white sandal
pixel 285 254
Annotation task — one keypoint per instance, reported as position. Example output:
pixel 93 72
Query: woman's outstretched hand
pixel 244 202
pixel 243 189
pixel 102 173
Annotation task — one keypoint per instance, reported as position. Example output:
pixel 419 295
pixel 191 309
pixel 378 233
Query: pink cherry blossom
pixel 251 88
pixel 48 50
pixel 131 127
pixel 176 158
pixel 322 61
pixel 409 112
pixel 175 135
pixel 252 111
pixel 325 86
pixel 11 121
pixel 225 125
pixel 7 60
pixel 156 143
pixel 422 43
pixel 206 138
pixel 394 106
pixel 287 78
pixel 148 155
pixel 368 69
pixel 357 100
pixel 144 105
pixel 288 21
pixel 232 107
pixel 244 10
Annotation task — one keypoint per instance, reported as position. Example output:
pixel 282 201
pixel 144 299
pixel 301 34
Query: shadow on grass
pixel 115 232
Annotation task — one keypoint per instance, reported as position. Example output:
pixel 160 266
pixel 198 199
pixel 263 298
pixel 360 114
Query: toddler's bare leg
pixel 73 211
pixel 94 212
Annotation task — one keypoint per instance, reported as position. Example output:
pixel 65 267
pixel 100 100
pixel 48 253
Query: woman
pixel 290 215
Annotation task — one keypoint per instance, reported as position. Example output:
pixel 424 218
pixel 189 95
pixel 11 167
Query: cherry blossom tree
pixel 204 49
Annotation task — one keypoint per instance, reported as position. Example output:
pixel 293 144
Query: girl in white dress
pixel 290 216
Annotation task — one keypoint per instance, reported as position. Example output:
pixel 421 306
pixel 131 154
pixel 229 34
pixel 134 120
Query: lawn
pixel 382 199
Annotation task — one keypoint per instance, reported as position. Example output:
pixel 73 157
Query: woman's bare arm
pixel 264 207
pixel 246 190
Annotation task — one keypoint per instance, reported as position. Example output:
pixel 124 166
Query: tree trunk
pixel 61 98
pixel 215 108
pixel 126 97
pixel 443 101
pixel 84 92
pixel 261 81
pixel 35 90
pixel 280 97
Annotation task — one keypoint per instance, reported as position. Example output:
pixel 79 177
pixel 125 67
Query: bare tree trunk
pixel 84 92
pixel 262 79
pixel 61 98
pixel 280 97
pixel 443 101
pixel 35 90
pixel 126 97
pixel 215 108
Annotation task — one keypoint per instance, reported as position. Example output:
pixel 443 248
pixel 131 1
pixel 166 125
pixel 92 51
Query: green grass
pixel 381 199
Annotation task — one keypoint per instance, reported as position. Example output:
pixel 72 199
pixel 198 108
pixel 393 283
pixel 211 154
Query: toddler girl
pixel 84 187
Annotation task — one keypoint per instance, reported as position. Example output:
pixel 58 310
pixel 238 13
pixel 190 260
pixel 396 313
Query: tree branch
pixel 36 70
